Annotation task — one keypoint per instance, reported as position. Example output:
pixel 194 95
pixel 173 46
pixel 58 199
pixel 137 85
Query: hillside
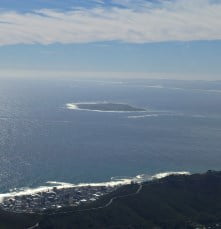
pixel 172 202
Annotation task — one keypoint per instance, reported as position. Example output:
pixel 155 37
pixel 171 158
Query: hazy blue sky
pixel 171 37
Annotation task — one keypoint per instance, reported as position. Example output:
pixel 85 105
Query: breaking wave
pixel 127 107
pixel 183 88
pixel 161 114
pixel 143 116
pixel 115 181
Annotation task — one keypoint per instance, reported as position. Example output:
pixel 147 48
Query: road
pixel 104 206
pixel 96 208
pixel 35 226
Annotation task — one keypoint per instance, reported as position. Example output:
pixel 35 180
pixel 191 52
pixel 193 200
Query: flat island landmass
pixel 105 106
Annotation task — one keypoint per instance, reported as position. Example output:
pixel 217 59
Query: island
pixel 104 106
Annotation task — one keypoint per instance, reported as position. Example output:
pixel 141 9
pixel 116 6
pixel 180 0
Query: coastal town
pixel 54 198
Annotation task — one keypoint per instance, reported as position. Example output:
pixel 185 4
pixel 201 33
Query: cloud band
pixel 178 20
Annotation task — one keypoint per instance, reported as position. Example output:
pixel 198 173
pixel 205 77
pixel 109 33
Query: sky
pixel 178 39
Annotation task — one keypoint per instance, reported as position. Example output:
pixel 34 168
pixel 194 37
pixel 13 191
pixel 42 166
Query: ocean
pixel 42 139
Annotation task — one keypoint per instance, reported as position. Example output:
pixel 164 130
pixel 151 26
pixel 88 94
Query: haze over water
pixel 42 140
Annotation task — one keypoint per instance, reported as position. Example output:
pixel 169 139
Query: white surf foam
pixel 161 114
pixel 165 174
pixel 143 116
pixel 74 106
pixel 62 185
pixel 183 88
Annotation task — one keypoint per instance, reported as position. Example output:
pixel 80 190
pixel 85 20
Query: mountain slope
pixel 172 202
pixel 177 201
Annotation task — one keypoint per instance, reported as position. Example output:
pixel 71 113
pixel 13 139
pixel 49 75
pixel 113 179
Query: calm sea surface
pixel 41 140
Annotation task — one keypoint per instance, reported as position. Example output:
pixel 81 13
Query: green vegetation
pixel 16 221
pixel 177 201
pixel 108 107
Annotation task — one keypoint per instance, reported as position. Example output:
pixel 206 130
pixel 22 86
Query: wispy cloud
pixel 178 20
pixel 44 74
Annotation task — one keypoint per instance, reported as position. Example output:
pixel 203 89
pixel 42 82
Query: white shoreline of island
pixel 74 106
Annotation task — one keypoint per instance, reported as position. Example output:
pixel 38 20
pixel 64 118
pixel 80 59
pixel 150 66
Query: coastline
pixel 60 194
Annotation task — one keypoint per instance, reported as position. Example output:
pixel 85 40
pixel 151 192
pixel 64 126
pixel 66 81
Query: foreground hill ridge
pixel 176 201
